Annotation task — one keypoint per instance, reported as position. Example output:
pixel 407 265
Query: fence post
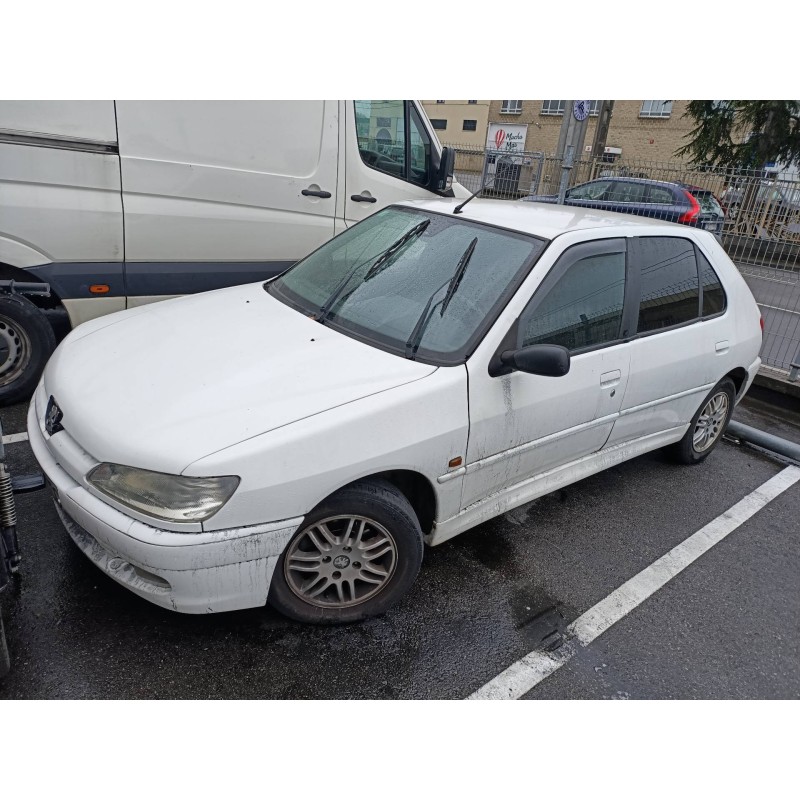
pixel 795 366
pixel 566 166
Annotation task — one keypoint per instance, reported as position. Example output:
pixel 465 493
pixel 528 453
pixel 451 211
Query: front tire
pixel 707 425
pixel 355 556
pixel 26 342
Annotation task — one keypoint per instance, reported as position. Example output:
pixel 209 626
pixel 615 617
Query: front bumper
pixel 195 573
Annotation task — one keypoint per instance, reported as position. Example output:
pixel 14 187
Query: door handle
pixel 612 378
pixel 362 198
pixel 722 347
pixel 313 193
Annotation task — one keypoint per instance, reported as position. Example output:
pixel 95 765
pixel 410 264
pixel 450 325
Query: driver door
pixel 523 425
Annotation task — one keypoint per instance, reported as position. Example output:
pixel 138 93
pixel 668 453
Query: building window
pixel 472 102
pixel 440 101
pixel 656 108
pixel 439 124
pixel 511 107
pixel 555 108
pixel 470 125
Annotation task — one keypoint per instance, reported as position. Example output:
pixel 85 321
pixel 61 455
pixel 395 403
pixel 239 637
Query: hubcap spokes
pixel 710 422
pixel 340 561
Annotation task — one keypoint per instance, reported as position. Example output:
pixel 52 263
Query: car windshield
pixel 378 279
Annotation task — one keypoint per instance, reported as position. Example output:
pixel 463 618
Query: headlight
pixel 171 497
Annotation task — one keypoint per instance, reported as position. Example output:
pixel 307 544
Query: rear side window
pixel 661 195
pixel 627 192
pixel 713 294
pixel 670 290
pixel 583 308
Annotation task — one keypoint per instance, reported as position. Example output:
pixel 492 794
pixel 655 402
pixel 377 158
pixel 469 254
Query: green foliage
pixel 743 133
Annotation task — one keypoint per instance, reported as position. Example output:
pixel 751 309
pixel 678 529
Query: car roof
pixel 544 220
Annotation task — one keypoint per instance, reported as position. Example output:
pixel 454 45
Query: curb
pixel 780 385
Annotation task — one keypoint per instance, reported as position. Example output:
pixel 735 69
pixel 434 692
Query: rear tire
pixel 707 426
pixel 354 556
pixel 26 342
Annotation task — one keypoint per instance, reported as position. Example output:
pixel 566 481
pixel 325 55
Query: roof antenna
pixel 457 209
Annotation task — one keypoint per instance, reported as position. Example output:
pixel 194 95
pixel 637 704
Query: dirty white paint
pixel 523 675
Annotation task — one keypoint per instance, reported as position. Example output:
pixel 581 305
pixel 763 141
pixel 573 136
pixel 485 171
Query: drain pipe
pixel 783 447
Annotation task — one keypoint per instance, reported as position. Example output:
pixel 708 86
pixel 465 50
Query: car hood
pixel 163 385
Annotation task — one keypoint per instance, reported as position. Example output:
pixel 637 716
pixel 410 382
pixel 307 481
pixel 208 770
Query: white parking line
pixel 533 668
pixel 15 437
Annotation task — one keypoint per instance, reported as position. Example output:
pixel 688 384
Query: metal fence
pixel 755 216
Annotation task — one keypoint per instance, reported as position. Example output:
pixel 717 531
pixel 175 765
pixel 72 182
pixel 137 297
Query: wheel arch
pixel 414 486
pixel 739 378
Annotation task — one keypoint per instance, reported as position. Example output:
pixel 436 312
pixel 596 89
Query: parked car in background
pixel 779 202
pixel 671 202
pixel 430 368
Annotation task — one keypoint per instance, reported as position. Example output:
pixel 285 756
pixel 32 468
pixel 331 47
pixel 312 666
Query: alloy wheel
pixel 710 422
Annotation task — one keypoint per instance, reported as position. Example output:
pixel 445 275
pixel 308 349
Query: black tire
pixel 5 658
pixel 684 451
pixel 383 507
pixel 26 342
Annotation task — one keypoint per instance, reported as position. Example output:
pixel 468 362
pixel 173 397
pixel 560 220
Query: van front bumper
pixel 195 573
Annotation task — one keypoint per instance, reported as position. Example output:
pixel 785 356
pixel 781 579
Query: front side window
pixel 590 191
pixel 583 308
pixel 381 132
pixel 670 291
pixel 432 297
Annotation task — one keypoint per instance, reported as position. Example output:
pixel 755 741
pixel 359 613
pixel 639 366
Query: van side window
pixel 583 308
pixel 670 288
pixel 714 301
pixel 420 151
pixel 381 131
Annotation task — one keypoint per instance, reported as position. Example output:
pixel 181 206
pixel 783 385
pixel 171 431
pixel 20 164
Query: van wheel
pixel 26 342
pixel 707 426
pixel 355 556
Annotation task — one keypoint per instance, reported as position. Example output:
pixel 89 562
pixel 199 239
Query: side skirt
pixel 549 481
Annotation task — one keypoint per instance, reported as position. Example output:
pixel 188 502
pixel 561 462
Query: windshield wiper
pixel 381 259
pixel 452 284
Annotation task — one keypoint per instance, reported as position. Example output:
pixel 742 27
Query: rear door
pixel 682 337
pixel 223 192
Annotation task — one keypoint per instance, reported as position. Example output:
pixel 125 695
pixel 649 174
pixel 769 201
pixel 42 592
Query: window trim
pixel 564 262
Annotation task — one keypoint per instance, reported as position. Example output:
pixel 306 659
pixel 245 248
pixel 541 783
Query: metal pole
pixel 795 366
pixel 776 444
pixel 566 166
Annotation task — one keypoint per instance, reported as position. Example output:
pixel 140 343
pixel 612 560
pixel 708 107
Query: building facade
pixel 459 122
pixel 650 130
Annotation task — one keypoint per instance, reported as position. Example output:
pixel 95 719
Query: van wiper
pixel 380 260
pixel 452 284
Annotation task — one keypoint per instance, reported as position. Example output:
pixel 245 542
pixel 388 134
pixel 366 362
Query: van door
pixel 223 192
pixel 388 155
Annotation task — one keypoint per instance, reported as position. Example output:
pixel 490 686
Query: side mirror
pixel 444 175
pixel 551 360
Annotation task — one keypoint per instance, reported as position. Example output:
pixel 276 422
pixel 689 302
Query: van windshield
pixel 378 279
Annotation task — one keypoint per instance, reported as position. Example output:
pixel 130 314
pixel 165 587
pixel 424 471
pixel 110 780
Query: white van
pixel 118 204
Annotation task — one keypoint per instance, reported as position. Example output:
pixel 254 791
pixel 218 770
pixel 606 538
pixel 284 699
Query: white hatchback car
pixel 430 368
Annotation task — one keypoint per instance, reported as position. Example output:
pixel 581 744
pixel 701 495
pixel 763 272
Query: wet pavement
pixel 728 626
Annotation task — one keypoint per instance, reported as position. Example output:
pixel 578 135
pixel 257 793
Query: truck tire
pixel 26 342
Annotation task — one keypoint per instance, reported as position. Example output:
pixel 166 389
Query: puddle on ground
pixel 540 618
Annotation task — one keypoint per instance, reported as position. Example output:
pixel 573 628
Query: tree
pixel 745 134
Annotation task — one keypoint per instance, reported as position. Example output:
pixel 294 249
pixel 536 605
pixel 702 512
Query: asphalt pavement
pixel 725 627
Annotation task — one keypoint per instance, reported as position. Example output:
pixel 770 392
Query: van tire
pixel 686 451
pixel 390 525
pixel 26 342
